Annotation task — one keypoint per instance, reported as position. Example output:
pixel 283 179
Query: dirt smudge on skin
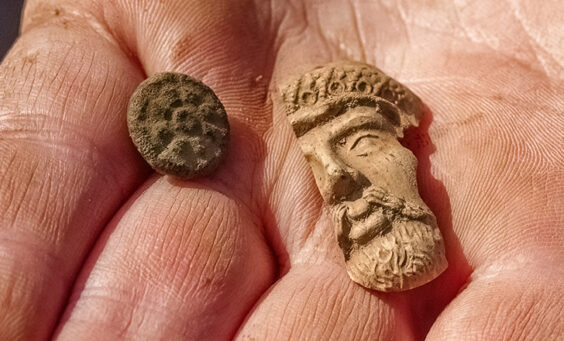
pixel 180 50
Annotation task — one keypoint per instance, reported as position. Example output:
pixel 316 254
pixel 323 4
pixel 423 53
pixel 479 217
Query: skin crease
pixel 94 246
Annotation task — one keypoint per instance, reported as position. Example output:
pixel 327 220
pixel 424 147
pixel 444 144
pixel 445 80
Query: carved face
pixel 358 163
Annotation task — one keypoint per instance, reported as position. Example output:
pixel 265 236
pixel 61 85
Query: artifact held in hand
pixel 178 125
pixel 348 118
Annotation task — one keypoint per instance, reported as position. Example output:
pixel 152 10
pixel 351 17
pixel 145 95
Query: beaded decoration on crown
pixel 337 81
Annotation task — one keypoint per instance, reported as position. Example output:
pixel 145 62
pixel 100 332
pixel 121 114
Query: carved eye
pixel 363 144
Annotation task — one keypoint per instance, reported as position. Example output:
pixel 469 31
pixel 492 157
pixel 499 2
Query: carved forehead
pixel 359 118
pixel 330 114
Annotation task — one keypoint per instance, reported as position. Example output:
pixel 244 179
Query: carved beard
pixel 399 246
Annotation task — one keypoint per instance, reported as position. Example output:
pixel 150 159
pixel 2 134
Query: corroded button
pixel 178 125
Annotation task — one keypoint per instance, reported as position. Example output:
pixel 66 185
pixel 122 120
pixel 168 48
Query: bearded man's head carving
pixel 348 118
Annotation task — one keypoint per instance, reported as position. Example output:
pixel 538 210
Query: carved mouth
pixel 362 220
pixel 372 215
pixel 374 223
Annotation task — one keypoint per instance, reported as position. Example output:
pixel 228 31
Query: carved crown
pixel 338 81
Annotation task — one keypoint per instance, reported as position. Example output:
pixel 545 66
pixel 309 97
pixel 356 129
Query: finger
pixel 192 254
pixel 65 159
pixel 319 302
pixel 518 300
pixel 180 261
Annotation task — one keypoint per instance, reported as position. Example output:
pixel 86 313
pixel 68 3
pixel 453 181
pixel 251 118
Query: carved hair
pixel 349 82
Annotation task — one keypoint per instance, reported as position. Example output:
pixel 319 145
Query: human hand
pixel 94 246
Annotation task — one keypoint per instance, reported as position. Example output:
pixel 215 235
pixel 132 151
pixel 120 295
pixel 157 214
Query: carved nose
pixel 339 182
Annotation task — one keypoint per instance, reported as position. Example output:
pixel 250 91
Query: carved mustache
pixel 392 206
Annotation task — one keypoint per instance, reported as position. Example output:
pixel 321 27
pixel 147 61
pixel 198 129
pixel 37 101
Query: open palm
pixel 95 246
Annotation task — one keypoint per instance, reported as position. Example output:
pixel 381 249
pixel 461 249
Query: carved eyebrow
pixel 361 137
pixel 351 127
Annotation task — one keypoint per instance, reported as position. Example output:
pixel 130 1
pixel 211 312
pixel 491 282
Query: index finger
pixel 66 163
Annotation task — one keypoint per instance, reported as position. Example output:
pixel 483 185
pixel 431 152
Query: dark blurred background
pixel 10 12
